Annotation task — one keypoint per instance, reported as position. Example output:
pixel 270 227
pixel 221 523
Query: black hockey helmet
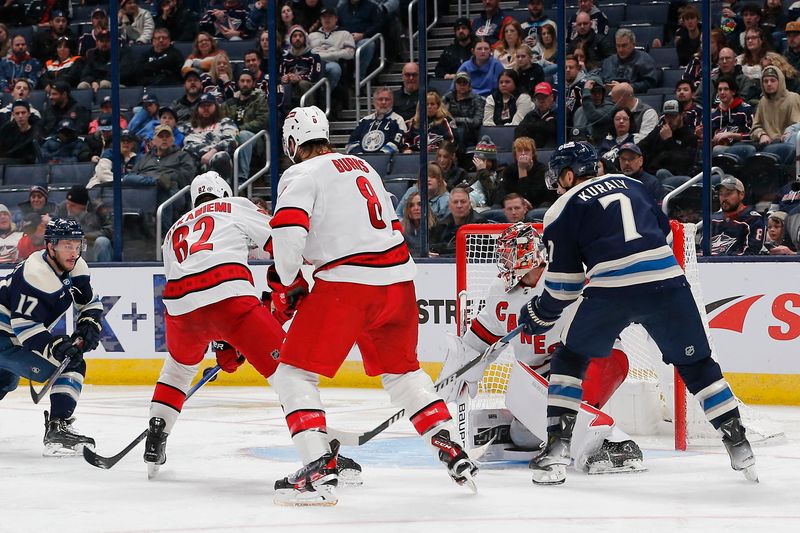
pixel 62 228
pixel 579 156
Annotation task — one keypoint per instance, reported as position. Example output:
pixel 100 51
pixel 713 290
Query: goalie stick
pixel 349 438
pixel 105 463
pixel 37 396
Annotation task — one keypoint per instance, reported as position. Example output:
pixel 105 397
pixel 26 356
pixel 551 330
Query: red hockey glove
pixel 285 298
pixel 228 358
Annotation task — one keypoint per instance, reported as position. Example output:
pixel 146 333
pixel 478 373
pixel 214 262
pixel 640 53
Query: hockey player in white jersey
pixel 333 211
pixel 598 445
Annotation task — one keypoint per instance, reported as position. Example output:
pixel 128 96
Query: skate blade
pixel 56 450
pixel 555 475
pixel 629 467
pixel 152 470
pixel 322 497
pixel 750 474
pixel 469 481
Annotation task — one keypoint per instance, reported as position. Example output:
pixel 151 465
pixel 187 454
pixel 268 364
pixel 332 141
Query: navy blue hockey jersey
pixel 737 234
pixel 33 298
pixel 611 226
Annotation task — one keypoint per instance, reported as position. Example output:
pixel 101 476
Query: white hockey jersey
pixel 333 211
pixel 499 317
pixel 205 253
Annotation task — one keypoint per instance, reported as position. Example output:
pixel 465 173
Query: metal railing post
pixel 252 140
pixel 159 214
pixel 368 78
pixel 413 34
pixel 323 81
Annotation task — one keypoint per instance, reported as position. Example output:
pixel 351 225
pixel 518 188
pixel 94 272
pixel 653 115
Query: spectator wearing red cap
pixel 508 104
pixel 540 123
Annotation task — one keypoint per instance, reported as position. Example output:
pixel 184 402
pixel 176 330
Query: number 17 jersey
pixel 205 253
pixel 333 211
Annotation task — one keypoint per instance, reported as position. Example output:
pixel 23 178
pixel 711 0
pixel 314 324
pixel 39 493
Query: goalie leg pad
pixel 458 354
pixel 170 392
pixel 298 392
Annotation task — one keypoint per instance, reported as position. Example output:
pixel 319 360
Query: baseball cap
pixel 149 99
pixel 462 76
pixel 104 123
pixel 66 125
pixel 128 135
pixel 54 14
pixel 778 215
pixel 162 128
pixel 207 98
pixel 730 182
pixel 78 194
pixel 99 11
pixel 21 103
pixel 247 72
pixel 462 21
pixel 106 100
pixel 630 147
pixel 327 11
pixel 191 72
pixel 543 88
pixel 792 26
pixel 169 110
pixel 770 71
pixel 671 107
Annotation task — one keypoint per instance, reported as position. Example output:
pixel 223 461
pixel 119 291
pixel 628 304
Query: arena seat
pixel 650 12
pixel 404 165
pixel 26 175
pixel 71 173
pixel 11 197
pixel 502 136
pixel 129 97
pixel 665 56
pixel 165 94
pixel 378 161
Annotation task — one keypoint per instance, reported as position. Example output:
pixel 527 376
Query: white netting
pixel 644 403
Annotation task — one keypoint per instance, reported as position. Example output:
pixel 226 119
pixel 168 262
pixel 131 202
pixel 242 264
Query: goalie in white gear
pixel 597 444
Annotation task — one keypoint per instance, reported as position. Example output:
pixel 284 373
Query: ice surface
pixel 231 444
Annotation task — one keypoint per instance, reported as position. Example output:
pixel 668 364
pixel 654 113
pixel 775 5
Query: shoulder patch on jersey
pixel 38 274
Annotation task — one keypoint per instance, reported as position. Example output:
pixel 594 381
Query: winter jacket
pixel 638 70
pixel 249 114
pixel 161 68
pixel 405 104
pixel 443 235
pixel 98 66
pixel 182 25
pixel 235 18
pixel 490 28
pixel 452 58
pixel 377 134
pixel 775 113
pixel 518 107
pixel 337 45
pixel 73 111
pixel 530 78
pixel 54 149
pixel 43 45
pixel 139 28
pixel 173 170
pixel 651 183
pixel 467 113
pixel 541 127
pixel 676 154
pixel 737 234
pixel 483 80
pixel 94 221
pixel 17 145
pixel 738 118
pixel 12 69
pixel 363 17
pixel 596 47
pixel 69 70
pixel 222 137
pixel 531 187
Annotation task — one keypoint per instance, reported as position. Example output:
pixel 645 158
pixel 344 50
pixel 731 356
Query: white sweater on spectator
pixel 333 46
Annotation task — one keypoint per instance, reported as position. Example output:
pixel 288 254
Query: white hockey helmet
pixel 519 250
pixel 210 183
pixel 303 124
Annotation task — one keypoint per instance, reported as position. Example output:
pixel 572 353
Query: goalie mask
pixel 519 250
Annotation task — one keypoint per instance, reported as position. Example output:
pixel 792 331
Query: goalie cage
pixel 653 400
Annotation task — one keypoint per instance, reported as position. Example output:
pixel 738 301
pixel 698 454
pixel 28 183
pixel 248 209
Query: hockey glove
pixel 533 320
pixel 228 358
pixel 285 298
pixel 88 328
pixel 62 347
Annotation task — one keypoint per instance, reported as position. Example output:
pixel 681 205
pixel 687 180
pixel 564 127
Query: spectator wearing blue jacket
pixel 65 146
pixel 483 69
pixel 145 119
pixel 19 65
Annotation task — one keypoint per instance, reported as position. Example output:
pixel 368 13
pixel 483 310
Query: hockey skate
pixel 155 447
pixel 314 484
pixel 735 441
pixel 62 439
pixel 550 466
pixel 460 467
pixel 349 472
pixel 616 458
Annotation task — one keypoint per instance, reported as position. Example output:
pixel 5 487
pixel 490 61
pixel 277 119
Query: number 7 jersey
pixel 205 253
pixel 333 211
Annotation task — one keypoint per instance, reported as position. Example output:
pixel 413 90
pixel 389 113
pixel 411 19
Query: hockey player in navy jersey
pixel 607 245
pixel 33 298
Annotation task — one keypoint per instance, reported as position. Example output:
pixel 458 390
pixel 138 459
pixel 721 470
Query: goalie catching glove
pixel 228 358
pixel 88 328
pixel 286 298
pixel 534 320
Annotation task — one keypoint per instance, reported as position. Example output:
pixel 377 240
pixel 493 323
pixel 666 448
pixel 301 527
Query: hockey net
pixel 653 399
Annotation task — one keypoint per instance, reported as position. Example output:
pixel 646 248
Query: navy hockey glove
pixel 88 328
pixel 286 298
pixel 62 347
pixel 533 320
pixel 228 358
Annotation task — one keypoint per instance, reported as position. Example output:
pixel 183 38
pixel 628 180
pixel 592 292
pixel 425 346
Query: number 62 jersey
pixel 333 211
pixel 205 253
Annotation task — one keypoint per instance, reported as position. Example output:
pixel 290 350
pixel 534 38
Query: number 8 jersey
pixel 333 211
pixel 205 253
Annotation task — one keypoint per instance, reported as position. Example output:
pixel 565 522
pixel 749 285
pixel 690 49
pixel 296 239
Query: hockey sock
pixel 565 390
pixel 66 391
pixel 170 391
pixel 413 391
pixel 705 381
pixel 298 392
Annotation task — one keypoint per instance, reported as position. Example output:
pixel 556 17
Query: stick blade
pixel 97 460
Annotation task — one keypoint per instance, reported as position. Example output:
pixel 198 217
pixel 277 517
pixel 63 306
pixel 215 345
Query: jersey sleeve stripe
pixel 482 333
pixel 290 216
pixel 397 226
pixel 394 256
pixel 207 279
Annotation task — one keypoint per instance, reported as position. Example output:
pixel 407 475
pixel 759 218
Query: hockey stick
pixel 349 438
pixel 107 462
pixel 37 396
